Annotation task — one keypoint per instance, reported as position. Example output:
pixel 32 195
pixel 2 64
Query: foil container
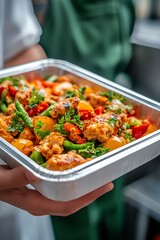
pixel 78 181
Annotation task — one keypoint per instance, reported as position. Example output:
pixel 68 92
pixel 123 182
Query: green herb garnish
pixel 36 98
pixel 38 129
pixel 113 95
pixel 17 124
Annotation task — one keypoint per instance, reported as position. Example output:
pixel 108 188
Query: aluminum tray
pixel 73 183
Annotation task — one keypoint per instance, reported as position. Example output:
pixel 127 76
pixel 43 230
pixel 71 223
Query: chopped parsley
pixel 74 93
pixel 126 125
pixel 69 117
pixel 38 130
pixel 81 92
pixel 113 95
pixel 70 94
pixel 36 98
pixel 17 124
pixel 112 121
pixel 128 136
pixel 92 151
pixel 13 80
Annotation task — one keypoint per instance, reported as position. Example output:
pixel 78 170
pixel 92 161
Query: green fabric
pixel 103 219
pixel 93 34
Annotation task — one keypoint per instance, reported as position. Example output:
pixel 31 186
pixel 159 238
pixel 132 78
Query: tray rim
pixel 76 172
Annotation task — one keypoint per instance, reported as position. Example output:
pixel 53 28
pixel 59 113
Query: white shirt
pixel 19 27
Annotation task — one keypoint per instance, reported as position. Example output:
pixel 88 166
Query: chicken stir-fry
pixel 60 124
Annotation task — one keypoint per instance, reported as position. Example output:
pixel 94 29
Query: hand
pixel 13 190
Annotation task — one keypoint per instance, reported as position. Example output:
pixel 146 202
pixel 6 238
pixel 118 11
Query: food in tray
pixel 60 124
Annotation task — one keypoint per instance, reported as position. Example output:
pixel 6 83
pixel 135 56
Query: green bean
pixel 23 114
pixel 37 157
pixel 3 98
pixel 72 146
pixel 3 107
pixel 47 112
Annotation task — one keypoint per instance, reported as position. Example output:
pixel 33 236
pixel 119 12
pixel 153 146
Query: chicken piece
pixel 96 100
pixel 4 123
pixel 60 88
pixel 63 78
pixel 64 161
pixel 100 131
pixel 11 109
pixel 23 96
pixel 51 144
pixel 61 107
pixel 26 134
pixel 98 128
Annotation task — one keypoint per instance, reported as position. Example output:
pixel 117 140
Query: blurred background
pixel 142 190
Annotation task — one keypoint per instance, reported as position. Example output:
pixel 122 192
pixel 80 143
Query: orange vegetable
pixel 43 123
pixel 88 90
pixel 114 142
pixel 71 128
pixel 151 128
pixel 84 105
pixel 23 145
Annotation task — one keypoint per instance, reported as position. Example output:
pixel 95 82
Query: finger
pixel 35 203
pixel 15 178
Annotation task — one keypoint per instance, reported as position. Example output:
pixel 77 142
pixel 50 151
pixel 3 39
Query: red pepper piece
pixel 12 90
pixel 74 133
pixel 71 128
pixel 1 90
pixel 38 109
pixel 99 110
pixel 32 112
pixel 138 131
pixel 42 107
pixel 48 84
pixel 85 114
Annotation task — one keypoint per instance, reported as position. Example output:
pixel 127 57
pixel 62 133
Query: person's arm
pixel 28 55
pixel 13 190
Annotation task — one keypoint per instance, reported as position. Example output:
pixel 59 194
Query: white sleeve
pixel 21 28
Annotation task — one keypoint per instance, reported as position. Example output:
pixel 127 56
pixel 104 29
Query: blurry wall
pixel 144 68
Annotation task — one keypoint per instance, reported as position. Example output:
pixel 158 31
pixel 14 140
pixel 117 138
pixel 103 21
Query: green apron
pixel 93 34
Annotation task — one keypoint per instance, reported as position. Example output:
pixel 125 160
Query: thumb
pixel 15 178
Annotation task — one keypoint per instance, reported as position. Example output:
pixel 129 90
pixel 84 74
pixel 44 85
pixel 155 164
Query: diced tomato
pixel 138 131
pixel 32 112
pixel 99 110
pixel 38 109
pixel 71 128
pixel 12 90
pixel 48 84
pixel 1 90
pixel 77 139
pixel 42 107
pixel 86 114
